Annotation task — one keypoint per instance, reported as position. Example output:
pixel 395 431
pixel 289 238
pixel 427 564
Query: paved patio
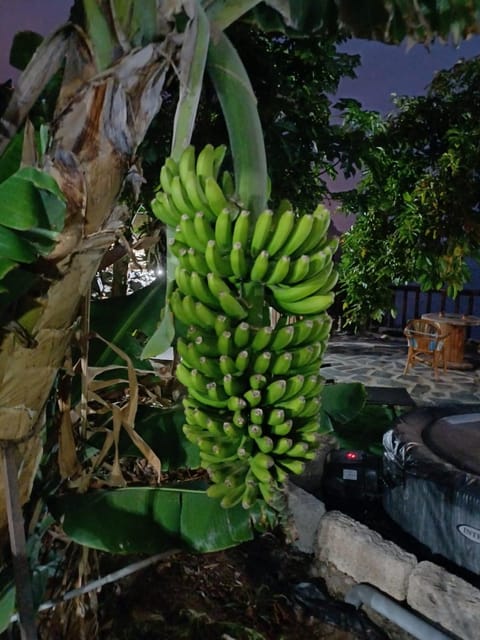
pixel 379 360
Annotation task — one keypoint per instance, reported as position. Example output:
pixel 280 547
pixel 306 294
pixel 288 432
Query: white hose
pixel 385 606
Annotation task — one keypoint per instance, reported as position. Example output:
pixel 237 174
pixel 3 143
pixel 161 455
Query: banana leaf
pixel 127 322
pixel 162 431
pixel 343 401
pixel 150 520
pixel 11 157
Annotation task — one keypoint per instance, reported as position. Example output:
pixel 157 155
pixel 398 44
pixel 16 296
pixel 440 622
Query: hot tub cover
pixel 431 469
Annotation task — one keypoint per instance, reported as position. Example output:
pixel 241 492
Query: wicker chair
pixel 426 344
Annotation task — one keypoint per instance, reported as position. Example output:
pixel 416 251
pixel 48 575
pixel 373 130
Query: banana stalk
pixel 239 107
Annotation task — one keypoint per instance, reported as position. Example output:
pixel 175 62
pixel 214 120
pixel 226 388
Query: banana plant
pixel 113 70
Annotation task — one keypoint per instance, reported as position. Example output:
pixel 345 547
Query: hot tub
pixel 432 474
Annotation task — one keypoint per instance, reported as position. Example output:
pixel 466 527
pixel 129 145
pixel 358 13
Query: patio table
pixel 454 324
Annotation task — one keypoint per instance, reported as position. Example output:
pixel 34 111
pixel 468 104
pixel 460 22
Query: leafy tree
pixel 418 201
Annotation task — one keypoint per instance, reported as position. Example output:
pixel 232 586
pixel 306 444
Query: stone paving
pixel 377 360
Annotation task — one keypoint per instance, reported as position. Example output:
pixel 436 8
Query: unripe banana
pixel 188 230
pixel 206 345
pixel 261 339
pixel 204 316
pixel 262 362
pixel 241 228
pixel 228 185
pixel 238 261
pixel 300 233
pixel 233 497
pixel 299 270
pixel 260 267
pixel 225 344
pixel 311 305
pixel 258 381
pixel 224 230
pixel 180 198
pixel 205 162
pixel 218 157
pixel 201 290
pixel 282 446
pixel 253 397
pixel 233 386
pixel 282 337
pixel 215 196
pixel 250 495
pixel 276 417
pixel 231 306
pixel 217 285
pixel 254 431
pixel 292 293
pixel 256 415
pixel 216 262
pixel 227 365
pixel 186 163
pixel 282 364
pixel 241 335
pixel 236 403
pixel 163 212
pixel 281 232
pixel 278 272
pixel 274 391
pixel 197 197
pixel 197 262
pixel 242 361
pixel 294 466
pixel 261 232
pixel 283 428
pixel 265 444
pixel 203 228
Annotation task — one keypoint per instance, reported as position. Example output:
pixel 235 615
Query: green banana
pixel 215 261
pixel 222 323
pixel 282 363
pixel 182 278
pixel 241 335
pixel 295 385
pixel 254 431
pixel 250 495
pixel 300 233
pixel 233 386
pixel 215 196
pixel 258 381
pixel 293 293
pixel 278 272
pixel 218 158
pixel 294 406
pixel 261 338
pixel 227 365
pixel 281 232
pixel 260 267
pixel 217 285
pixel 197 262
pixel 298 270
pixel 162 212
pixel 294 466
pixel 228 185
pixel 186 162
pixel 206 345
pixel 231 306
pixel 188 229
pixel 261 232
pixel 256 415
pixel 276 417
pixel 203 228
pixel 283 428
pixel 225 344
pixel 311 305
pixel 205 162
pixel 238 261
pixel 242 361
pixel 224 230
pixel 236 403
pixel 253 397
pixel 275 391
pixel 265 444
pixel 261 363
pixel 180 198
pixel 241 228
pixel 202 291
pixel 282 337
pixel 282 445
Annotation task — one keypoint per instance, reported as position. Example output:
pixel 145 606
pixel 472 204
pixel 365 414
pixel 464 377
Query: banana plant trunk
pixel 99 122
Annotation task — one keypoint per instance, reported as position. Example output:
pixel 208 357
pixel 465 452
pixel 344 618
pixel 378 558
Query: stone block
pixel 363 554
pixel 306 512
pixel 446 599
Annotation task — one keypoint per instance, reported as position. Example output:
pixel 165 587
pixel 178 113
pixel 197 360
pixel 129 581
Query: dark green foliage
pixel 418 202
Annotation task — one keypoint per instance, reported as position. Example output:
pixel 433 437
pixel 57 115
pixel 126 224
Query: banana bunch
pixel 253 389
pixel 193 185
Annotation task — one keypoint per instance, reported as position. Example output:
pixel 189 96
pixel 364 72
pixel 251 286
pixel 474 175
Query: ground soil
pixel 247 593
pixel 261 590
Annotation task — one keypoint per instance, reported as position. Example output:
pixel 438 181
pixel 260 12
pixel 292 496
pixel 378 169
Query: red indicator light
pixel 351 455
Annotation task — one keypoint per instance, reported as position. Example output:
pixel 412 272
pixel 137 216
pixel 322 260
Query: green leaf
pixel 126 321
pixel 100 33
pixel 342 401
pixel 11 157
pixel 162 431
pixel 6 266
pixel 136 19
pixel 163 337
pixel 20 204
pixel 150 520
pixel 7 599
pixel 14 247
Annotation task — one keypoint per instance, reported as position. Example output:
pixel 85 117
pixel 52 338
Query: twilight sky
pixel 385 69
